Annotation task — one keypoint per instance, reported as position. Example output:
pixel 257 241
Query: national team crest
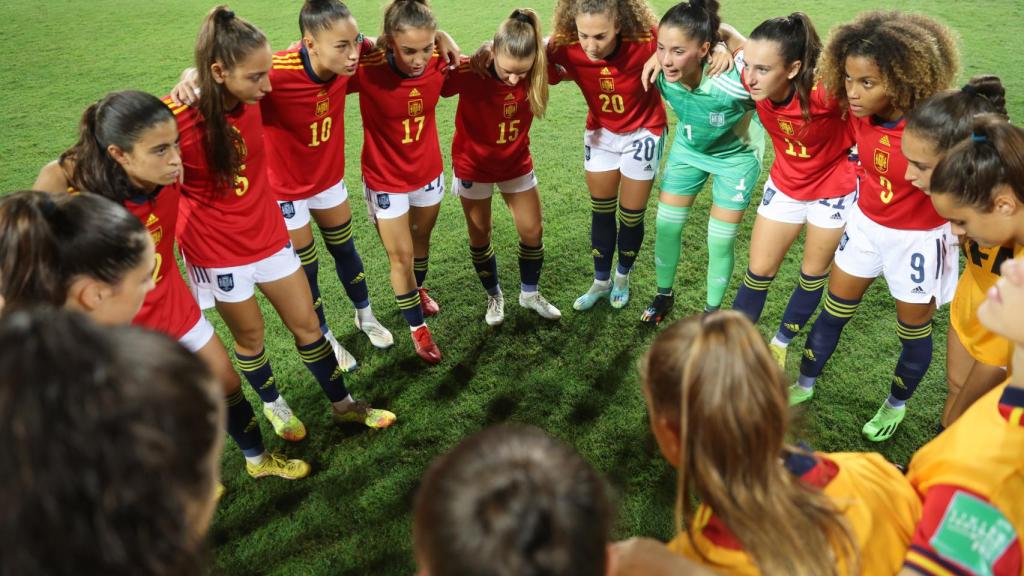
pixel 510 109
pixel 607 85
pixel 383 201
pixel 717 119
pixel 787 127
pixel 226 282
pixel 288 210
pixel 881 161
pixel 769 193
pixel 157 234
pixel 322 106
pixel 415 107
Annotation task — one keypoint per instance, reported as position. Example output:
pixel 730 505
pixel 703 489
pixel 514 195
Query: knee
pixel 249 341
pixel 531 235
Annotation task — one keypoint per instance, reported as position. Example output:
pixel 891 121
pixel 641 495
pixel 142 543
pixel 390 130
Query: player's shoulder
pixel 563 40
pixel 287 60
pixel 181 112
pixel 373 58
pixel 639 37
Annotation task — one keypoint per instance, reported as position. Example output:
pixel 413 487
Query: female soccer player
pixel 492 149
pixel 127 151
pixel 112 451
pixel 882 65
pixel 812 181
pixel 602 45
pixel 718 409
pixel 230 229
pixel 716 135
pixel 970 477
pixel 976 359
pixel 399 85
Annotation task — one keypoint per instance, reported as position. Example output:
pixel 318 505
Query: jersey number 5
pixel 321 132
pixel 612 103
pixel 241 182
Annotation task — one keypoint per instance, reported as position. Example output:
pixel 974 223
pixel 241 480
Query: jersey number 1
pixel 321 132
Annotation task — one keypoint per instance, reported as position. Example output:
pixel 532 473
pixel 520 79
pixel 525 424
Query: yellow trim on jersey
pixel 289 56
pixel 175 108
pixel 933 567
pixel 1016 416
pixel 288 67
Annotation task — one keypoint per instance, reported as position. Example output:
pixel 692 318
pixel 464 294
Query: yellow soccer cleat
pixel 277 465
pixel 779 353
pixel 360 412
pixel 286 424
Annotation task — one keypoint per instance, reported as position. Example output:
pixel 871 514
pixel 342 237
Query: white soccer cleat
pixel 379 336
pixel 346 360
pixel 534 301
pixel 495 309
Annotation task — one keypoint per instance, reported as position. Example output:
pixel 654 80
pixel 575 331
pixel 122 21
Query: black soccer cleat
pixel 659 308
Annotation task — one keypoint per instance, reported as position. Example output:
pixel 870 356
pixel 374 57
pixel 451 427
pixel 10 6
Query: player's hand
pixel 721 61
pixel 448 49
pixel 647 557
pixel 480 62
pixel 186 91
pixel 295 45
pixel 651 70
pixel 1013 270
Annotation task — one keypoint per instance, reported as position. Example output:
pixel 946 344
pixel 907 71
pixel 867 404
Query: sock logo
pixel 596 253
pixel 359 278
pixel 809 354
pixel 629 253
pixel 336 375
pixel 268 384
pixel 792 327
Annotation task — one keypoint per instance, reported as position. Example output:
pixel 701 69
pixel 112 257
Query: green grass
pixel 576 379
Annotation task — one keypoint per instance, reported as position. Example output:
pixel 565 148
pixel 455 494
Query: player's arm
pixel 647 557
pixel 734 41
pixel 51 178
pixel 186 91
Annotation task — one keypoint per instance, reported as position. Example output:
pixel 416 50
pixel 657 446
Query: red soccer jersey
pixel 492 127
pixel 811 158
pixel 304 119
pixel 401 152
pixel 169 307
pixel 221 226
pixel 885 195
pixel 611 87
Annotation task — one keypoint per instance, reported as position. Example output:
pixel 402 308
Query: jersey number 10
pixel 321 132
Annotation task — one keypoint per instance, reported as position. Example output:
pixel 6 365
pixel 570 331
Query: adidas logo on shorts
pixel 837 216
pixel 917 290
pixel 648 168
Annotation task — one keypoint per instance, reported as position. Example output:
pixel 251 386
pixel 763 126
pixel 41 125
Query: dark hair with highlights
pixel 797 40
pixel 49 240
pixel 119 119
pixel 318 16
pixel 109 448
pixel 948 117
pixel 512 501
pixel 227 39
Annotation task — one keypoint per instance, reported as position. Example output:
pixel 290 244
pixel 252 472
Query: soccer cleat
pixel 346 360
pixel 286 424
pixel 379 336
pixel 798 394
pixel 277 465
pixel 620 291
pixel 495 309
pixel 218 491
pixel 779 353
pixel 429 306
pixel 599 289
pixel 425 347
pixel 659 308
pixel 884 424
pixel 360 412
pixel 534 301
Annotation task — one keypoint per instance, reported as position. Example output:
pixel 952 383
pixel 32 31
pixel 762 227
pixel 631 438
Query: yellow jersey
pixel 980 273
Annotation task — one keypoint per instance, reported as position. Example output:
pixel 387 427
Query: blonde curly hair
pixel 635 17
pixel 916 55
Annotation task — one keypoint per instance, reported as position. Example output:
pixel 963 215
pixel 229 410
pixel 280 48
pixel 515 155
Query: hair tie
pixel 225 16
pixel 979 138
pixel 47 207
pixel 521 17
pixel 970 89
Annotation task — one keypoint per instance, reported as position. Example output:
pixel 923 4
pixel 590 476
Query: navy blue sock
pixel 914 360
pixel 347 263
pixel 319 359
pixel 419 268
pixel 242 425
pixel 752 294
pixel 311 266
pixel 631 237
pixel 409 304
pixel 486 265
pixel 802 304
pixel 259 374
pixel 602 235
pixel 824 336
pixel 531 260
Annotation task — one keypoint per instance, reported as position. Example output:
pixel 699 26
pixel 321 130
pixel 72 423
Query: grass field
pixel 576 378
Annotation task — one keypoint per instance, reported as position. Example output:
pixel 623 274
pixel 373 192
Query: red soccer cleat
pixel 425 346
pixel 428 304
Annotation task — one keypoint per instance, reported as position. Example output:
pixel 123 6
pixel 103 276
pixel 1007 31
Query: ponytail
pixel 319 15
pixel 520 37
pixel 948 117
pixel 699 19
pixel 47 241
pixel 405 14
pixel 798 40
pixel 226 39
pixel 993 156
pixel 119 119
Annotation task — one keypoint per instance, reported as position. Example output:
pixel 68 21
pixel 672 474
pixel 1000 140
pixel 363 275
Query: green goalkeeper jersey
pixel 717 120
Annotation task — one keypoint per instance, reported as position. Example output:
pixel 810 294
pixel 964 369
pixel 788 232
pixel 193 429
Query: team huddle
pixel 886 170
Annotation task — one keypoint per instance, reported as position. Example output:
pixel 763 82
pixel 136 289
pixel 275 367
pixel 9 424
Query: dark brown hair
pixel 973 169
pixel 948 117
pixel 319 15
pixel 404 14
pixel 798 40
